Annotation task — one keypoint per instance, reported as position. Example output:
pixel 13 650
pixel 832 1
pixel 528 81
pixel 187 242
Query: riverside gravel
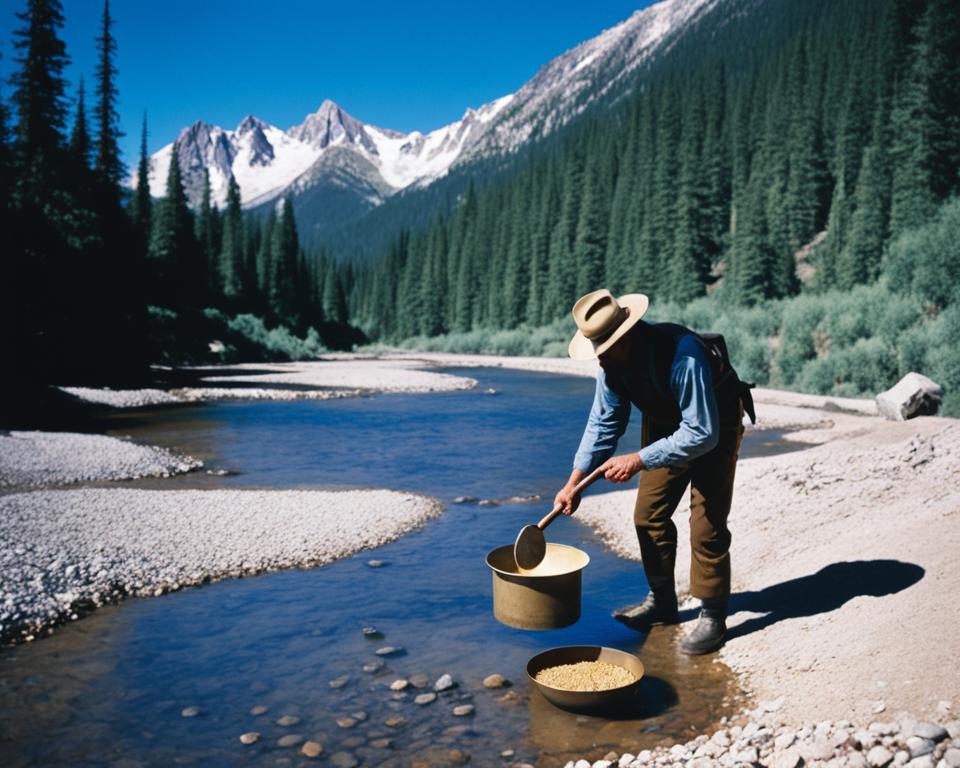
pixel 64 552
pixel 36 458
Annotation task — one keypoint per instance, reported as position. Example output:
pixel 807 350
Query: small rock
pixel 376 563
pixel 784 740
pixel 930 731
pixel 505 753
pixel 419 681
pixel 258 710
pixel 343 760
pixel 601 764
pixel 346 722
pixel 287 720
pixel 919 746
pixel 924 761
pixel 394 721
pixel 425 698
pixel 388 650
pixel 290 740
pixel 381 743
pixel 856 760
pixel 508 696
pixel 878 707
pixel 339 682
pixel 360 716
pixel 373 666
pixel 399 685
pixel 458 756
pixel 311 749
pixel 952 757
pixel 373 633
pixel 495 681
pixel 789 758
pixel 465 500
pixel 445 682
pixel 879 756
pixel 251 737
pixel 749 755
pixel 189 711
pixel 487 503
pixel 625 759
pixel 463 710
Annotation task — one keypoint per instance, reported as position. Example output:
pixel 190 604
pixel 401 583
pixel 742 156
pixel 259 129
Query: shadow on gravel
pixel 822 592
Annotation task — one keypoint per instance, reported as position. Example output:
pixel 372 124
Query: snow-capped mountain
pixel 332 147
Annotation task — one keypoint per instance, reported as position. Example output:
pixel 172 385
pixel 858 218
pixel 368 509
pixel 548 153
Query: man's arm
pixel 692 383
pixel 606 424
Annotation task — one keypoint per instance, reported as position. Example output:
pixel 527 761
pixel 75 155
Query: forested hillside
pixel 779 147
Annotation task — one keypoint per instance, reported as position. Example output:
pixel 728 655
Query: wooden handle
pixel 577 490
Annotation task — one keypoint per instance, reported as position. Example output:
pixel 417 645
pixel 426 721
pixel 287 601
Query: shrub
pixel 923 261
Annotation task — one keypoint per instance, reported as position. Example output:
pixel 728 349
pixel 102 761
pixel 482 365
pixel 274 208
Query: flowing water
pixel 109 689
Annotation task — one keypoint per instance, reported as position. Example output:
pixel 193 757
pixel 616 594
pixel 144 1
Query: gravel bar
pixel 63 553
pixel 34 458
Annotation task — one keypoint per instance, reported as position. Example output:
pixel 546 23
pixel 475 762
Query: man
pixel 692 404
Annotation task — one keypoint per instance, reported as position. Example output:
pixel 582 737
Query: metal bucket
pixel 546 597
pixel 613 700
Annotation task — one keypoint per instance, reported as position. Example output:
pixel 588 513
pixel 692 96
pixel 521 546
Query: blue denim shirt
pixel 691 383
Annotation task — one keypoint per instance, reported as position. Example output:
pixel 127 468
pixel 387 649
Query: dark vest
pixel 645 378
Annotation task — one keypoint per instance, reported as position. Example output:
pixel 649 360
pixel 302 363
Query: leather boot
pixel 659 607
pixel 708 633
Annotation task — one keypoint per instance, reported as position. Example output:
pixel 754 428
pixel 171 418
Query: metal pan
pixel 615 699
pixel 546 597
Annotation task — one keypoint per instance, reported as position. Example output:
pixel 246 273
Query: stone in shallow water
pixel 399 685
pixel 311 749
pixel 376 563
pixel 260 709
pixel 343 760
pixel 395 721
pixel 287 720
pixel 251 737
pixel 458 757
pixel 425 698
pixel 189 711
pixel 373 633
pixel 465 500
pixel 444 683
pixel 346 722
pixel 463 710
pixel 359 715
pixel 339 682
pixel 388 650
pixel 381 743
pixel 290 740
pixel 495 681
pixel 373 666
pixel 419 681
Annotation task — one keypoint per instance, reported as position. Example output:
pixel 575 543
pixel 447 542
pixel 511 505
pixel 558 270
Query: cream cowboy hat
pixel 602 320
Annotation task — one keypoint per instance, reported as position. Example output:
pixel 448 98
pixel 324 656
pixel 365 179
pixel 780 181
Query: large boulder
pixel 913 395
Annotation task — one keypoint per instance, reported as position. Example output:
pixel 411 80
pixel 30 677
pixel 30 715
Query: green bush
pixel 925 261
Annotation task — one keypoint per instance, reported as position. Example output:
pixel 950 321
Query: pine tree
pixel 141 207
pixel 172 246
pixel 283 262
pixel 80 136
pixel 231 251
pixel 108 163
pixel 203 232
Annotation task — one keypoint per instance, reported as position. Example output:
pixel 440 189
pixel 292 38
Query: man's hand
pixel 620 469
pixel 566 499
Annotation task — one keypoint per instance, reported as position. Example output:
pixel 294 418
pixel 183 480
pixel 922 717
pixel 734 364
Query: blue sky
pixel 404 66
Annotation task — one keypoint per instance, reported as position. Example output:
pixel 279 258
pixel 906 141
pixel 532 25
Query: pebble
pixel 360 716
pixel 879 756
pixel 952 757
pixel 463 710
pixel 425 698
pixel 343 760
pixel 381 743
pixel 311 749
pixel 458 756
pixel 918 746
pixel 487 503
pixel 419 681
pixel 189 711
pixel 373 666
pixel 388 650
pixel 924 761
pixel 506 753
pixel 444 682
pixel 376 563
pixel 339 682
pixel 251 737
pixel 373 633
pixel 258 710
pixel 495 681
pixel 465 499
pixel 346 722
pixel 395 721
pixel 789 758
pixel 290 740
pixel 399 685
pixel 930 731
pixel 287 720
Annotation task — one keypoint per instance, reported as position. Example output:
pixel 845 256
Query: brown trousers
pixel 710 477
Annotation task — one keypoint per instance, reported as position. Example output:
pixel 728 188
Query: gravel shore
pixel 29 459
pixel 65 552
